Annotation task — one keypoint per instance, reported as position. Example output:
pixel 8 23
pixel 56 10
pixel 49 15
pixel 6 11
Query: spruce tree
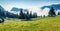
pixel 21 14
pixel 52 12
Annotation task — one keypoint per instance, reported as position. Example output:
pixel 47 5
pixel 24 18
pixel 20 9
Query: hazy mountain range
pixel 55 6
pixel 16 10
pixel 1 8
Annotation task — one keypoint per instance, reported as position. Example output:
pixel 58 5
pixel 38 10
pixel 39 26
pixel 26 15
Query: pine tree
pixel 21 14
pixel 58 13
pixel 52 12
pixel 30 14
pixel 27 16
pixel 35 15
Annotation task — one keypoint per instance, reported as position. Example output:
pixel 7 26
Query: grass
pixel 36 24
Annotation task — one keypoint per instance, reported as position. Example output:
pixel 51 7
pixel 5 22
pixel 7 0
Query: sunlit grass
pixel 36 24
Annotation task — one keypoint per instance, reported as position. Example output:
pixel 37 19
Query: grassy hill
pixel 36 24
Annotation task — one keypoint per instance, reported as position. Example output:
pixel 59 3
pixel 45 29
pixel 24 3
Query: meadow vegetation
pixel 36 24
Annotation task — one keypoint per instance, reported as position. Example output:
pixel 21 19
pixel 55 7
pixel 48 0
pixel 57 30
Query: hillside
pixel 36 24
pixel 55 6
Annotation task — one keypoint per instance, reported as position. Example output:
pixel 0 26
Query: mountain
pixel 15 9
pixel 55 6
pixel 18 9
pixel 2 11
pixel 1 8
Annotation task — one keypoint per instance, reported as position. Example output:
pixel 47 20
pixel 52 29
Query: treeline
pixel 4 14
pixel 22 15
pixel 27 15
pixel 52 12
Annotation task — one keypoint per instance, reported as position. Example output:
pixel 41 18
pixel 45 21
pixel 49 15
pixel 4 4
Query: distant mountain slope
pixel 2 11
pixel 18 9
pixel 55 6
pixel 15 9
pixel 1 8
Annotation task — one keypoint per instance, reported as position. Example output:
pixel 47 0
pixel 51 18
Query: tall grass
pixel 36 24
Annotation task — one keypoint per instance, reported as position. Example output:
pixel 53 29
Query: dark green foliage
pixel 2 13
pixel 52 12
pixel 27 16
pixel 31 14
pixel 2 20
pixel 35 15
pixel 11 15
pixel 43 15
pixel 21 15
pixel 24 15
pixel 58 13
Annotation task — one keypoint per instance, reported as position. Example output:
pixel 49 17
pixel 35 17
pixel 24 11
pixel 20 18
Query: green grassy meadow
pixel 36 24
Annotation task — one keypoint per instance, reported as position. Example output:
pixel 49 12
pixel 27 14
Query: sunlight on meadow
pixel 36 24
pixel 29 15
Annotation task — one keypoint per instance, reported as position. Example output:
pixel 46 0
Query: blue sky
pixel 8 4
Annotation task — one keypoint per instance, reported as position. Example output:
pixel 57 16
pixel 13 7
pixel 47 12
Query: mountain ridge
pixel 55 6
